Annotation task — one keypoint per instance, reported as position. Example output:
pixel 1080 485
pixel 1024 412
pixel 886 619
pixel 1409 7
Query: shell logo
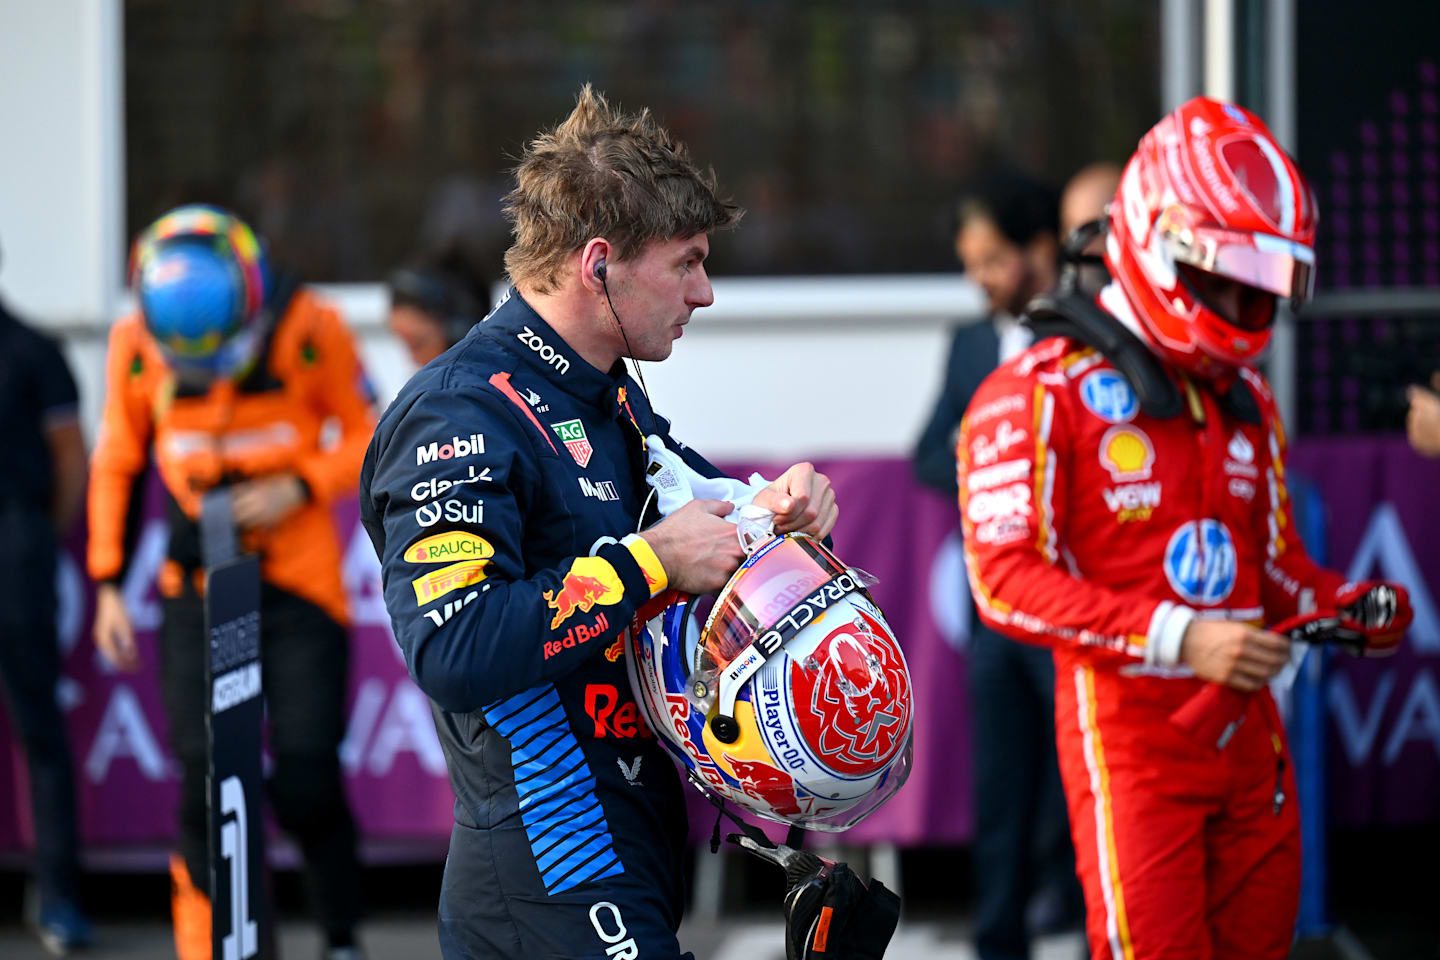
pixel 1127 453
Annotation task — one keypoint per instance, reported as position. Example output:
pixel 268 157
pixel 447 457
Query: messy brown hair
pixel 603 173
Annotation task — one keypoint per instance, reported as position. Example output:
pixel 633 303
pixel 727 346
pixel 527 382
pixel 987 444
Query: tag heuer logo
pixel 572 432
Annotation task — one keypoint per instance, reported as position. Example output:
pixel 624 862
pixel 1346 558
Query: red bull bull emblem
pixel 770 785
pixel 616 650
pixel 590 580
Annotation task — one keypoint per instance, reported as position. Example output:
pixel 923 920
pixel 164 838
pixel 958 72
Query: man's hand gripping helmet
pixel 198 275
pixel 793 701
pixel 1208 197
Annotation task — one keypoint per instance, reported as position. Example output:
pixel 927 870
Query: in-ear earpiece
pixel 600 269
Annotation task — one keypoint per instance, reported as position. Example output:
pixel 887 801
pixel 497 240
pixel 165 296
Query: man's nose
pixel 700 293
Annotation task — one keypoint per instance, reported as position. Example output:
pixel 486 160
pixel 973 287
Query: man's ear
pixel 593 264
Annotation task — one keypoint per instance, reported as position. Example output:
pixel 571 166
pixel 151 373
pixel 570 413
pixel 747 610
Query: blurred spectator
pixel 1083 202
pixel 433 304
pixel 1422 423
pixel 1006 240
pixel 226 378
pixel 41 488
pixel 1085 196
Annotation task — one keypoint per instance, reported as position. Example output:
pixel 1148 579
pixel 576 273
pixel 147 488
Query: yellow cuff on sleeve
pixel 650 564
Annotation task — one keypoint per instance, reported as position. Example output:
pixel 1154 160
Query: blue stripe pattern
pixel 563 818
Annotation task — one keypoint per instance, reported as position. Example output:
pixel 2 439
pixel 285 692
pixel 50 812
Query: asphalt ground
pixel 1382 886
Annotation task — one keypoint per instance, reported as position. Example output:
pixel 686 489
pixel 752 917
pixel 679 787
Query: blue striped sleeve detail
pixel 566 825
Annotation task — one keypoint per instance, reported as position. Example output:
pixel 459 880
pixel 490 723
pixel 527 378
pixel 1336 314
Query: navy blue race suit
pixel 499 490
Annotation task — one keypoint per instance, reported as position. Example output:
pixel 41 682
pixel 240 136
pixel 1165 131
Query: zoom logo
pixel 454 511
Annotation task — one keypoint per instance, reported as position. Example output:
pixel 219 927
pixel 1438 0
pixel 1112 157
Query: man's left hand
pixel 802 501
pixel 266 501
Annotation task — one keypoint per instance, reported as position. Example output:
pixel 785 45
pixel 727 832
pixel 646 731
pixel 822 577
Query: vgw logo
pixel 1200 562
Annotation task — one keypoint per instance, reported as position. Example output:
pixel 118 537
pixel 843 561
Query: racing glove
pixel 1371 617
pixel 830 913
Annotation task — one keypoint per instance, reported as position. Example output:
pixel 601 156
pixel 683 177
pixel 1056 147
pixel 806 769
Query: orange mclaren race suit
pixel 1100 530
pixel 279 417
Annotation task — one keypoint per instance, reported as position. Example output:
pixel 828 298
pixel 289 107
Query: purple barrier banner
pixel 1384 715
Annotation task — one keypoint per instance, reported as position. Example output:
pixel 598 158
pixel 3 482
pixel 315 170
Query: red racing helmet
pixel 1209 196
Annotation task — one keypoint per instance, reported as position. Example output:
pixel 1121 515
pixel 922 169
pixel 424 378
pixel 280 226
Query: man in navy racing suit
pixel 503 491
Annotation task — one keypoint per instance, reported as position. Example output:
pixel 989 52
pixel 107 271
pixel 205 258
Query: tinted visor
pixel 775 578
pixel 1260 260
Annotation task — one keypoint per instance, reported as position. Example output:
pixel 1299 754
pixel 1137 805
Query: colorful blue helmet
pixel 198 274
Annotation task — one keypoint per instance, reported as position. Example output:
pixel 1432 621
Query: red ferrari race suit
pixel 1101 531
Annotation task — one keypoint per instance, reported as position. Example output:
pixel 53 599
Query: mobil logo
pixel 1200 562
pixel 1107 394
pixel 456 448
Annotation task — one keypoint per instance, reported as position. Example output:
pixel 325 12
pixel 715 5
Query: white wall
pixel 779 366
pixel 61 166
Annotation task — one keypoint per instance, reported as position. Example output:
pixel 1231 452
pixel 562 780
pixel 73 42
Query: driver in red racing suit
pixel 1140 525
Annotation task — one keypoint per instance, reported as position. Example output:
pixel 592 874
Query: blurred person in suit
pixel 1006 239
pixel 1081 204
pixel 40 495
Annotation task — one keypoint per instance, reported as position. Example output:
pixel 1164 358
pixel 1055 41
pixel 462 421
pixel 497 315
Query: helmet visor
pixel 1260 260
pixel 776 578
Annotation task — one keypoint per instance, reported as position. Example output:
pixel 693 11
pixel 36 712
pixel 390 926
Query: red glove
pixel 1370 620
pixel 1373 617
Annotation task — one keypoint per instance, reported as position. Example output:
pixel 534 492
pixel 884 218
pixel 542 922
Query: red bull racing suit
pixel 1102 531
pixel 502 491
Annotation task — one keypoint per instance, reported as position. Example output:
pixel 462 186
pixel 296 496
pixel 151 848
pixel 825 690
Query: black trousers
pixel 1022 831
pixel 304 660
pixel 494 905
pixel 29 669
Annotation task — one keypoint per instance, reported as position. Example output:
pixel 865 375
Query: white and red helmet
pixel 1209 191
pixel 793 701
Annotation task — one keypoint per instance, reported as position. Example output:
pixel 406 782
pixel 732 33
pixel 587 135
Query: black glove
pixel 830 914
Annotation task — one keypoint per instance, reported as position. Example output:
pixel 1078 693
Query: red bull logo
pixel 765 783
pixel 616 650
pixel 615 715
pixel 589 581
pixel 578 635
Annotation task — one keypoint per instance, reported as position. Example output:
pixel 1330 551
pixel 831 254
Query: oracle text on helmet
pixel 805 611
